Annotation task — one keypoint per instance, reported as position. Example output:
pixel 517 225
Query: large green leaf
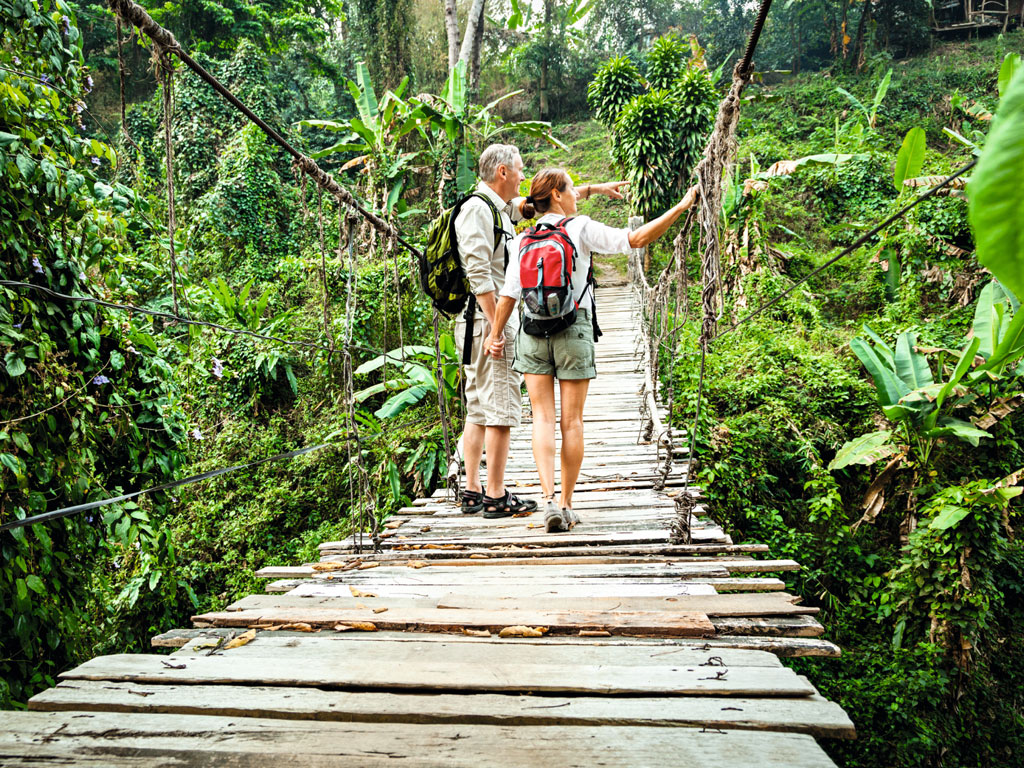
pixel 996 194
pixel 988 319
pixel 948 516
pixel 889 386
pixel 395 405
pixel 367 101
pixel 910 159
pixel 955 427
pixel 962 366
pixel 1012 63
pixel 866 449
pixel 394 357
pixel 1010 347
pixel 911 367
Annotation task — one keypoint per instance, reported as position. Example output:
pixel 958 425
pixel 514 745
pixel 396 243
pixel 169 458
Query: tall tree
pixel 469 50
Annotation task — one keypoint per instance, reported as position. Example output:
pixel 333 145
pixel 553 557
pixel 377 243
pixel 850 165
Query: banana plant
pixel 921 408
pixel 374 133
pixel 857 130
pixel 451 125
pixel 415 378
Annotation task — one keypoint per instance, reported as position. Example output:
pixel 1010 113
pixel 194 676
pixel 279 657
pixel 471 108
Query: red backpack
pixel 547 258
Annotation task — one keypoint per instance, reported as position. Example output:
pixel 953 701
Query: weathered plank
pixel 641 623
pixel 788 647
pixel 813 714
pixel 355 649
pixel 340 672
pixel 120 739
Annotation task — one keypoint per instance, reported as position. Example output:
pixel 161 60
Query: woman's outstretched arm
pixel 652 230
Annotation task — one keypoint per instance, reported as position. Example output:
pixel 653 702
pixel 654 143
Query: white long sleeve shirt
pixel 484 263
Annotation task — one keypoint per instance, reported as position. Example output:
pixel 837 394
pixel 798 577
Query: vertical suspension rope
pixel 166 70
pixel 442 407
pixel 323 276
pixel 120 74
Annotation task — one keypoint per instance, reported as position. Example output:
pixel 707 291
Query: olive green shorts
pixel 566 355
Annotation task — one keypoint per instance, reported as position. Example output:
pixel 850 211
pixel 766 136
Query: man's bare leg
pixel 498 439
pixel 473 453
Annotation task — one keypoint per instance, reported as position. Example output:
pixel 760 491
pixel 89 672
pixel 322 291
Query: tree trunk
pixel 548 12
pixel 858 45
pixel 474 61
pixel 451 24
pixel 474 20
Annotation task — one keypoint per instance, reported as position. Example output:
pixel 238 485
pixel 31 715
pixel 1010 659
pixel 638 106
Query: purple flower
pixel 101 379
pixel 81 276
pixel 88 83
pixel 17 61
pixel 218 368
pixel 37 265
pixel 17 325
pixel 94 160
pixel 197 434
pixel 79 106
pixel 132 350
pixel 66 22
pixel 44 79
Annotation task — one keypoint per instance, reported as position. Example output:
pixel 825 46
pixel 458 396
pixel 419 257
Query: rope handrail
pixel 164 39
pixel 79 508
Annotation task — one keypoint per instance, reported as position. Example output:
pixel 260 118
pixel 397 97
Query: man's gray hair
pixel 494 156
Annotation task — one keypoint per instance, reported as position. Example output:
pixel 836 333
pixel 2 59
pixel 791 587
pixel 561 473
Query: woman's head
pixel 551 190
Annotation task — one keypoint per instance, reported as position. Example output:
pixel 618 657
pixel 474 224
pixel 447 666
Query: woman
pixel 568 355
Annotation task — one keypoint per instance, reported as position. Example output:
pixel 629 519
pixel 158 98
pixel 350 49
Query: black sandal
pixel 507 506
pixel 472 502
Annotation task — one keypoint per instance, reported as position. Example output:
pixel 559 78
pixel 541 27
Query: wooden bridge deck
pixel 469 642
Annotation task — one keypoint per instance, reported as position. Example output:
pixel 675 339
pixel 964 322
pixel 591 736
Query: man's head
pixel 501 168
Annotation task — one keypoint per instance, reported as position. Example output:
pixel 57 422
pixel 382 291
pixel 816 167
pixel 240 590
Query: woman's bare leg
pixel 573 396
pixel 542 401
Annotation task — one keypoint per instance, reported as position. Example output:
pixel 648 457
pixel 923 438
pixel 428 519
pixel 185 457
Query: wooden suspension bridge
pixel 466 641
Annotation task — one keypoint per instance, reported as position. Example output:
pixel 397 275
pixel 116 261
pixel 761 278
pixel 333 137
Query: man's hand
pixel 495 345
pixel 609 188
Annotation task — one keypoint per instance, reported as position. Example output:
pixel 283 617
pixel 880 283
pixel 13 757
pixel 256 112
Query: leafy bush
pixel 666 61
pixel 615 83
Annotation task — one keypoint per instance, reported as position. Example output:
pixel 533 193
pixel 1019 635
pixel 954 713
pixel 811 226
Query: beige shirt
pixel 484 263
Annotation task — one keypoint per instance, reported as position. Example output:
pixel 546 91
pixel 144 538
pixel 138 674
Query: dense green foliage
pixel 895 484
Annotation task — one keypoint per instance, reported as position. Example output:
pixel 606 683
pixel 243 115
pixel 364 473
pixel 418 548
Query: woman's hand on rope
pixel 495 345
pixel 688 199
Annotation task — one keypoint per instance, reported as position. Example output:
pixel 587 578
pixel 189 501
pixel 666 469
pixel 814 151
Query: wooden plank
pixel 296 650
pixel 787 647
pixel 316 587
pixel 542 601
pixel 793 626
pixel 319 588
pixel 812 715
pixel 613 553
pixel 666 680
pixel 740 604
pixel 189 741
pixel 641 623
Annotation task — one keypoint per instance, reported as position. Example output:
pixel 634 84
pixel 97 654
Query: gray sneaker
pixel 553 516
pixel 570 518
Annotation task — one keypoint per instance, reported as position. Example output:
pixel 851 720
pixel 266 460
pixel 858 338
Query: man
pixel 493 397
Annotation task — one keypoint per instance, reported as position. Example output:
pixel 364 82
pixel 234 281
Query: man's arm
pixel 474 230
pixel 496 341
pixel 486 302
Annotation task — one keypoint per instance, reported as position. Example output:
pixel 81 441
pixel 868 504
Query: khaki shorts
pixel 493 394
pixel 567 355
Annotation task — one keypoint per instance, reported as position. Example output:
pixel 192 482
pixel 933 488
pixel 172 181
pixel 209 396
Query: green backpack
pixel 441 273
